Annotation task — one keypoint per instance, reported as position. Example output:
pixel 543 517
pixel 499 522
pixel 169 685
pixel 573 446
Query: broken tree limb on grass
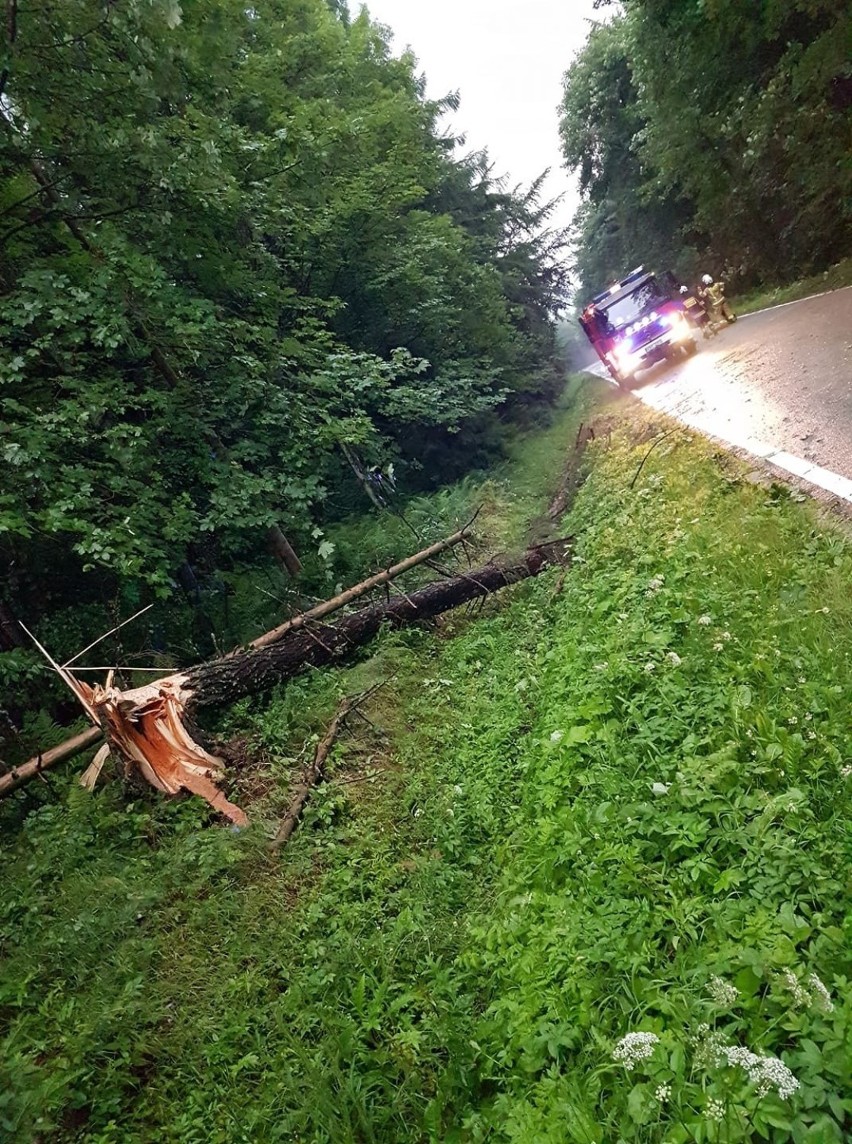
pixel 571 476
pixel 357 590
pixel 315 772
pixel 149 726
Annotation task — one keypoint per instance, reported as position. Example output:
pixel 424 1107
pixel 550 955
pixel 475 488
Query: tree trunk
pixel 17 776
pixel 283 552
pixel 225 680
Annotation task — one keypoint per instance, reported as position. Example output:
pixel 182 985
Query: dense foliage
pixel 715 134
pixel 234 239
pixel 553 835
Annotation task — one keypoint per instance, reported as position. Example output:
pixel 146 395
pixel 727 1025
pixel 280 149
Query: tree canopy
pixel 234 239
pixel 714 132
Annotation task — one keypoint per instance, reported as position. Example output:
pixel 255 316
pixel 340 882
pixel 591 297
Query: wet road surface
pixel 778 382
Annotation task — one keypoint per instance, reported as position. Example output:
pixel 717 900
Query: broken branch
pixel 358 590
pixel 315 772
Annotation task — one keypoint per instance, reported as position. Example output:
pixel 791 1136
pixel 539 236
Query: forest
pixel 243 264
pixel 712 135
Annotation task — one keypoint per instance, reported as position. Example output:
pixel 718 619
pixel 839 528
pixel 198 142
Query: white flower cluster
pixel 816 996
pixel 633 1048
pixel 705 621
pixel 714 1109
pixel 846 771
pixel 767 1073
pixel 801 997
pixel 654 586
pixel 821 996
pixel 722 993
pixel 708 1046
pixel 663 1093
pixel 673 658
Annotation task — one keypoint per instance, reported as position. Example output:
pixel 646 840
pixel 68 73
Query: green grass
pixel 834 278
pixel 565 818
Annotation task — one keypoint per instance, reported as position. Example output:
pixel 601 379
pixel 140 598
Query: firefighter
pixel 597 323
pixel 712 295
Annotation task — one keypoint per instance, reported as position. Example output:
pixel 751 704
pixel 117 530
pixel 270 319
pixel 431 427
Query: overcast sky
pixel 506 58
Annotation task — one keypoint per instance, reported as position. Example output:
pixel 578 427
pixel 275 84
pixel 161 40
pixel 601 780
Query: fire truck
pixel 639 321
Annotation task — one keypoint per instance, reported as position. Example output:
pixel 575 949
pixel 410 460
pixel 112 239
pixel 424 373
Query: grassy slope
pixel 838 276
pixel 490 893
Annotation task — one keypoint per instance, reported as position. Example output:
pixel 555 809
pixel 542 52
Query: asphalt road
pixel 779 382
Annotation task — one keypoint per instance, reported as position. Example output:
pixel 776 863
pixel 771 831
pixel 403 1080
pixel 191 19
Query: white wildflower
pixel 823 610
pixel 792 720
pixel 417 812
pixel 727 636
pixel 722 992
pixel 457 789
pixel 654 586
pixel 673 658
pixel 846 771
pixel 708 1046
pixel 717 647
pixel 601 666
pixel 821 996
pixel 802 679
pixel 767 1073
pixel 663 1093
pixel 633 1048
pixel 555 736
pixel 660 788
pixel 808 716
pixel 714 1109
pixel 649 667
pixel 705 621
pixel 811 734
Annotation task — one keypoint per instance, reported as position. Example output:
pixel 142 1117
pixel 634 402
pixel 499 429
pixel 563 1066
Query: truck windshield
pixel 628 309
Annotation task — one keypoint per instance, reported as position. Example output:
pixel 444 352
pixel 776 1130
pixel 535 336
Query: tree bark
pixel 283 552
pixel 42 762
pixel 225 680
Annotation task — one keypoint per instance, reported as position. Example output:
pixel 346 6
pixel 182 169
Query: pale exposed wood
pixel 93 771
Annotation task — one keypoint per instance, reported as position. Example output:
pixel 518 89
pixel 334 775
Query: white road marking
pixel 825 479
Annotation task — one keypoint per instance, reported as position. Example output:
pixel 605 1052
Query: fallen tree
pixel 358 590
pixel 150 726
